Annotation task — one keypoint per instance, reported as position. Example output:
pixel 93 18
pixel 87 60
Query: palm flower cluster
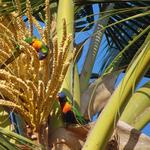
pixel 29 85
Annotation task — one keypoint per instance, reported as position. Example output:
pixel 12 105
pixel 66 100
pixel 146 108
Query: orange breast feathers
pixel 37 44
pixel 67 107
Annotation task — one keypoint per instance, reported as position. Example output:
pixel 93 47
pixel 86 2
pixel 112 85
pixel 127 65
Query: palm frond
pixel 17 141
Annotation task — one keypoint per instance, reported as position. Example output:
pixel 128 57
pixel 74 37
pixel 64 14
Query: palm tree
pixel 29 86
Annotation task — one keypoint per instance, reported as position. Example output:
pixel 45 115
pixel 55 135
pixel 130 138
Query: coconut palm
pixel 33 71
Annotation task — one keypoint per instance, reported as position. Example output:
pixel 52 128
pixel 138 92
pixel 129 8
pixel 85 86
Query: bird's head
pixel 65 105
pixel 62 97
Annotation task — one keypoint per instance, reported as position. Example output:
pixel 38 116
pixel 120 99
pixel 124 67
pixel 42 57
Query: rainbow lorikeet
pixel 69 113
pixel 39 46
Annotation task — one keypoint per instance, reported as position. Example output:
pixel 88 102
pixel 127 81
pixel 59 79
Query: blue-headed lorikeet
pixel 69 113
pixel 39 46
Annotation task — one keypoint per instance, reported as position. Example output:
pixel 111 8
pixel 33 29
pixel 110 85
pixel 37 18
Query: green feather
pixel 80 119
pixel 78 116
pixel 29 40
pixel 44 49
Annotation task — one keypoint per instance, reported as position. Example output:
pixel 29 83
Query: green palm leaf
pixel 16 141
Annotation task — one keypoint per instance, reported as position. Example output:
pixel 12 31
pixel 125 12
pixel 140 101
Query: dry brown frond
pixel 5 31
pixel 21 29
pixel 3 56
pixel 9 22
pixel 9 104
pixel 18 17
pixel 64 33
pixel 29 15
pixel 18 6
pixel 56 50
pixel 7 93
pixel 66 47
pixel 33 61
